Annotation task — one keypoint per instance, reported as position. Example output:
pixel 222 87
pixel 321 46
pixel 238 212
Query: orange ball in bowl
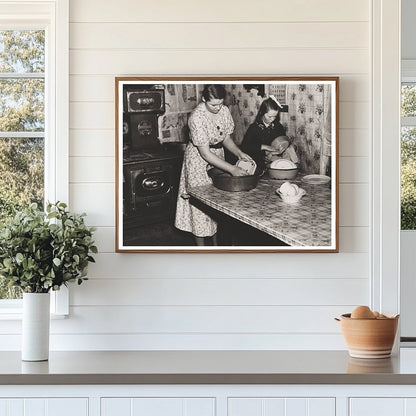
pixel 362 312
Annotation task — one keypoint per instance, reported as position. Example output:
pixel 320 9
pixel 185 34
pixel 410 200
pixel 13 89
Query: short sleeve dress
pixel 204 131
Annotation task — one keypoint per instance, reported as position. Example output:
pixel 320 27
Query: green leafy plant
pixel 408 179
pixel 42 251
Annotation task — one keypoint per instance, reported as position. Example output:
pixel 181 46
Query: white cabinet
pixel 272 406
pixel 391 406
pixel 44 407
pixel 208 400
pixel 236 406
pixel 157 406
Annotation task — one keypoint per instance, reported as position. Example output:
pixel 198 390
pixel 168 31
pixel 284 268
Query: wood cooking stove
pixel 150 170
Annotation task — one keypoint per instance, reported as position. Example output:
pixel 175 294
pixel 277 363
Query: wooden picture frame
pixel 155 139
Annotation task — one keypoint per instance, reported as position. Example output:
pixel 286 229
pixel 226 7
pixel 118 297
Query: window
pixel 33 110
pixel 22 124
pixel 408 150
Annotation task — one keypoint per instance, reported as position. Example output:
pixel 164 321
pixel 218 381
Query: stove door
pixel 150 191
pixel 143 131
pixel 149 184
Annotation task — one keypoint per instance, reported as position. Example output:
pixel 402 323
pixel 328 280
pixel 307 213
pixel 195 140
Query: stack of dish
pixel 282 169
pixel 290 192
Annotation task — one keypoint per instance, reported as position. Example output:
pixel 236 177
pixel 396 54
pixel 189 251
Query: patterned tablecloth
pixel 306 223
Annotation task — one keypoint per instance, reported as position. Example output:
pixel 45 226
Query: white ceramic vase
pixel 35 326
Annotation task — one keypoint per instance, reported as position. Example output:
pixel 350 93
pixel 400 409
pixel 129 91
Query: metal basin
pixel 226 182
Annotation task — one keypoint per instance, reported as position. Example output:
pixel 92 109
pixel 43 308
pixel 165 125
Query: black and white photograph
pixel 230 164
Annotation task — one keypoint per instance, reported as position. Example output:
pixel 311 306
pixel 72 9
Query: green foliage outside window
pixel 21 110
pixel 408 104
pixel 408 179
pixel 408 160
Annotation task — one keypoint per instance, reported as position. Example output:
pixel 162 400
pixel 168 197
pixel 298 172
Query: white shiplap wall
pixel 214 301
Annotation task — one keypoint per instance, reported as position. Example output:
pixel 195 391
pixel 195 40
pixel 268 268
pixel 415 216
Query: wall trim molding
pixel 385 192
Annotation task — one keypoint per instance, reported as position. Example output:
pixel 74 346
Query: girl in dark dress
pixel 264 131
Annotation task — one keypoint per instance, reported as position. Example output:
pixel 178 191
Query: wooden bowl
pixel 369 338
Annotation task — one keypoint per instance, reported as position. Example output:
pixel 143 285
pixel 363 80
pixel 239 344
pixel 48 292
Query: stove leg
pixel 199 241
pixel 204 241
pixel 215 240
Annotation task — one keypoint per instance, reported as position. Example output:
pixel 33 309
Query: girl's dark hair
pixel 267 105
pixel 215 91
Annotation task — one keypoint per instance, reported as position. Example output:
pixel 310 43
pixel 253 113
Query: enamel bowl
pixel 282 169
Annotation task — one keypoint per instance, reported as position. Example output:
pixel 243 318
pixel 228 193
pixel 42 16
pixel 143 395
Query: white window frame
pixel 385 184
pixel 53 17
pixel 408 237
pixel 408 75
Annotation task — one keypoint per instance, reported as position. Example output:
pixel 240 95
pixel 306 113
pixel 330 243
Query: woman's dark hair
pixel 267 105
pixel 215 91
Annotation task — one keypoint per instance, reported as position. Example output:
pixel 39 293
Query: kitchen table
pixel 206 383
pixel 305 223
pixel 211 367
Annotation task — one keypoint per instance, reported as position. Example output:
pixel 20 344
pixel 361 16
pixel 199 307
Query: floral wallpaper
pixel 244 104
pixel 309 124
pixel 308 121
pixel 180 100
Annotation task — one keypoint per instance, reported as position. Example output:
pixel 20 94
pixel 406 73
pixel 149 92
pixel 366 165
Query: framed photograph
pixel 227 164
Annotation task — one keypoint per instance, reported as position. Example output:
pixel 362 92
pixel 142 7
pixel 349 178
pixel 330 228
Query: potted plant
pixel 39 252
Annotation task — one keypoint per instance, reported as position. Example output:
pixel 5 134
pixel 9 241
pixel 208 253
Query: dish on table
pixel 282 169
pixel 291 199
pixel 247 165
pixel 316 179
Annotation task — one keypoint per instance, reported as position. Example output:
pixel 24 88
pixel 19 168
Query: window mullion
pixel 22 75
pixel 408 121
pixel 22 134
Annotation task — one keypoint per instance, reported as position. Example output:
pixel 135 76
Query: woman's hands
pixel 244 156
pixel 216 161
pixel 236 171
pixel 235 150
pixel 267 148
pixel 271 156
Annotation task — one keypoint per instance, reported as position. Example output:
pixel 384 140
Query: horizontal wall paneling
pixel 200 319
pixel 294 61
pixel 213 301
pixel 232 11
pixel 221 35
pixel 219 291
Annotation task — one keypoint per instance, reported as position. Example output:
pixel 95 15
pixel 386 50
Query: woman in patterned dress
pixel 210 126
